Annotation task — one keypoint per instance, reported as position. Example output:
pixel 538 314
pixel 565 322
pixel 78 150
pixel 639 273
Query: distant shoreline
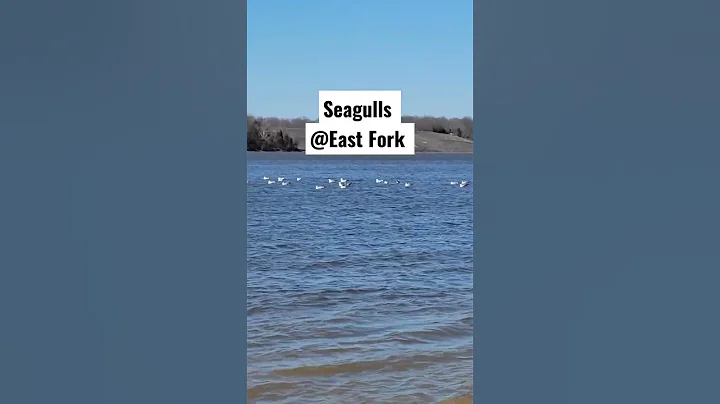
pixel 432 134
pixel 425 142
pixel 303 151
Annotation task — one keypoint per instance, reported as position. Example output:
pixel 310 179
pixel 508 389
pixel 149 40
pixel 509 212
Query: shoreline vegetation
pixel 432 134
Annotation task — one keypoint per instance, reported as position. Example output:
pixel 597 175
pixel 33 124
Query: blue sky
pixel 296 48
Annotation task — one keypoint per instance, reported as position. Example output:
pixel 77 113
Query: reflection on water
pixel 363 294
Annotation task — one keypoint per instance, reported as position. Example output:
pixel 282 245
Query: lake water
pixel 362 294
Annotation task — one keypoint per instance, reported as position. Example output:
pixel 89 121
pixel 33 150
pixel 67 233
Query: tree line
pixel 262 137
pixel 461 127
pixel 266 133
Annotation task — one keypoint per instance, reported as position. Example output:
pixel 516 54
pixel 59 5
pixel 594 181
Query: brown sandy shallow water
pixel 364 294
pixel 459 400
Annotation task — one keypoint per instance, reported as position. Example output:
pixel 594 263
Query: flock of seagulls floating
pixel 343 183
pixel 280 180
pixel 462 184
pixel 385 182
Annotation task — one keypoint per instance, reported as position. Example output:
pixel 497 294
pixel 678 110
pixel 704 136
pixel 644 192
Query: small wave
pixel 425 293
pixel 256 310
pixel 349 291
pixel 434 334
pixel 280 388
pixel 329 264
pixel 328 297
pixel 390 364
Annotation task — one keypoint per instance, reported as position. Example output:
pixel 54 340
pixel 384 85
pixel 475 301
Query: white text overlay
pixel 360 123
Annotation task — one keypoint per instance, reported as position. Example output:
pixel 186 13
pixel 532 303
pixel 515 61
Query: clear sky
pixel 421 47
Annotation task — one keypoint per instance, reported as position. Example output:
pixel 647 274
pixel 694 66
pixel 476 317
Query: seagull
pixel 464 184
pixel 330 180
pixel 271 182
pixel 344 184
pixel 299 178
pixel 266 178
pixel 453 182
pixel 319 186
pixel 285 183
pixel 281 179
pixel 407 185
pixel 385 182
pixel 378 181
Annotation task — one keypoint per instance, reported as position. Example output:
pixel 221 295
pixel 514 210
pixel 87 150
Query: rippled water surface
pixel 363 294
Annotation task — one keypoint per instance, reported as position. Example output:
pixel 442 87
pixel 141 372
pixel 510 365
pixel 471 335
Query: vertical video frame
pixel 359 261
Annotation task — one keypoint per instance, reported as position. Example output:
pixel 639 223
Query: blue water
pixel 362 294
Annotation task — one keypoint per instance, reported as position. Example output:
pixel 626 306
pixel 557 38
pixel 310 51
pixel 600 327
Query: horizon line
pixel 403 115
